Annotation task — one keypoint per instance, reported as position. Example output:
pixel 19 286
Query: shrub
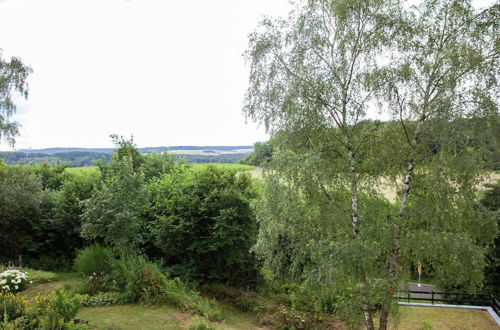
pixel 140 280
pixel 93 259
pixel 204 226
pixel 208 308
pixel 12 306
pixel 53 311
pixel 100 299
pixel 13 280
pixel 92 284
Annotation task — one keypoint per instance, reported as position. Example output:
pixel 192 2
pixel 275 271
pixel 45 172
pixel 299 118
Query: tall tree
pixel 13 75
pixel 114 211
pixel 314 78
pixel 445 66
pixel 310 81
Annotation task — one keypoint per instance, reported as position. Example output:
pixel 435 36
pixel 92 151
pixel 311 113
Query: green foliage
pixel 101 299
pixel 262 154
pixel 93 259
pixel 127 148
pixel 140 280
pixel 55 311
pixel 207 307
pixel 40 276
pixel 114 211
pixel 13 76
pixel 52 177
pixel 68 208
pixel 20 199
pixel 203 224
pixel 51 262
pixel 314 77
pixel 201 324
pixel 491 201
pixel 12 306
pixel 157 165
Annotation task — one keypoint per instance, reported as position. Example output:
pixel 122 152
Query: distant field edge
pixel 482 308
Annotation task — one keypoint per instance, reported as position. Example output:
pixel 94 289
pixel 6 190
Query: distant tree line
pixel 86 158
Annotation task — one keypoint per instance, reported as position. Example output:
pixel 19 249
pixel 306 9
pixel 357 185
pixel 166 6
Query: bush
pixel 51 312
pixel 100 299
pixel 204 226
pixel 140 280
pixel 92 284
pixel 93 259
pixel 13 280
pixel 12 306
pixel 207 307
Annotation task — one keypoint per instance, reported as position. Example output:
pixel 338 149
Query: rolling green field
pixel 85 169
pixel 236 167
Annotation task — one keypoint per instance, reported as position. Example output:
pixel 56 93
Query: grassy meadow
pixel 221 166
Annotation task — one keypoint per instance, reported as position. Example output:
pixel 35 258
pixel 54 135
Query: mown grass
pixel 417 317
pixel 160 317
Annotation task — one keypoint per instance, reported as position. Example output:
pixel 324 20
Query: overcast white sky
pixel 168 72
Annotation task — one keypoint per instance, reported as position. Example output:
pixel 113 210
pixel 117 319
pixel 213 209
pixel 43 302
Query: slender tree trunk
pixel 365 302
pixel 394 256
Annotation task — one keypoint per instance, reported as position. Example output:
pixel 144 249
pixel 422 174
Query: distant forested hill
pixel 77 157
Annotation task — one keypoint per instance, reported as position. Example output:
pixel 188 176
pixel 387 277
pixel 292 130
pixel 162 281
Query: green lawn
pixel 160 317
pixel 415 317
pixel 63 280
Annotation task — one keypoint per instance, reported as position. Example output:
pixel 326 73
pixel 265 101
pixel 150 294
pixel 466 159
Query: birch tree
pixel 310 81
pixel 13 76
pixel 314 79
pixel 445 66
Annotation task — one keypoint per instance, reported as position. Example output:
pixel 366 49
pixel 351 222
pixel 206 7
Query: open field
pixel 210 152
pixel 223 166
pixel 389 189
pixel 236 167
pixel 82 169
